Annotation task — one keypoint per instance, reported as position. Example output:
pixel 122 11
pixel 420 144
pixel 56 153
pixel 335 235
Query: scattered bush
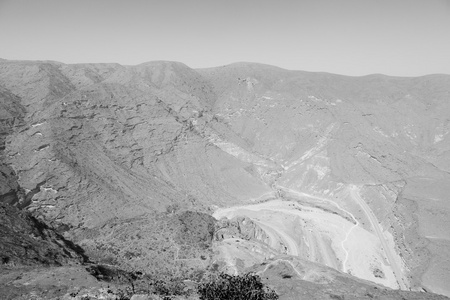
pixel 168 287
pixel 237 287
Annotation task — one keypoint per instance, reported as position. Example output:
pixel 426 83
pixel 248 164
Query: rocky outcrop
pixel 239 227
pixel 26 241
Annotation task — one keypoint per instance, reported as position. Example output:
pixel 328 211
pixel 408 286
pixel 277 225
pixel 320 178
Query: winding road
pixel 354 192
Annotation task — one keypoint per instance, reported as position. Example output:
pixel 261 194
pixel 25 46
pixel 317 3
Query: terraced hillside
pixel 347 172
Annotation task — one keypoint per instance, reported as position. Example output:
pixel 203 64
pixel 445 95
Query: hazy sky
pixel 352 37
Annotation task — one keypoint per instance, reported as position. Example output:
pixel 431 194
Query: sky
pixel 350 37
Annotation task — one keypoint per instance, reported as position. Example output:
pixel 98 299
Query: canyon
pixel 166 169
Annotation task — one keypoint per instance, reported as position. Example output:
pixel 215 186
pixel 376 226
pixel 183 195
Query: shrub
pixel 237 287
pixel 168 287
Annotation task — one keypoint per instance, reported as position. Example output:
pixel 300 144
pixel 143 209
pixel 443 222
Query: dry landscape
pixel 327 186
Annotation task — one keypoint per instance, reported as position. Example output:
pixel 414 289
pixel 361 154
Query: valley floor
pixel 328 236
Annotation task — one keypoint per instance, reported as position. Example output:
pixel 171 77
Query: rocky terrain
pixel 347 175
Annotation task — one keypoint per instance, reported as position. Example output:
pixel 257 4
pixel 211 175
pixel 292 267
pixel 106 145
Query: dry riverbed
pixel 320 235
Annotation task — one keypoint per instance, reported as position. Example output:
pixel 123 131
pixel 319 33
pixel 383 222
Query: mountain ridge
pixel 212 67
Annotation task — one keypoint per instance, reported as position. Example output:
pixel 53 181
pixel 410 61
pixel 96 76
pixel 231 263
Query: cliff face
pixel 11 115
pixel 101 151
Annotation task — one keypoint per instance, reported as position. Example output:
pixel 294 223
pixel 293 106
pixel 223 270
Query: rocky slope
pixel 296 279
pixel 113 156
pixel 332 135
pixel 26 241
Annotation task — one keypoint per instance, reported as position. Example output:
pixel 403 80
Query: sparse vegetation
pixel 235 287
pixel 216 286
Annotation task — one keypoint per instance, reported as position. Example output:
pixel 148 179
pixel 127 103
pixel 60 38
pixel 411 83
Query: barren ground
pixel 298 229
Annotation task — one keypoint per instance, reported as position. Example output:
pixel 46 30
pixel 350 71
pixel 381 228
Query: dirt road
pixel 354 192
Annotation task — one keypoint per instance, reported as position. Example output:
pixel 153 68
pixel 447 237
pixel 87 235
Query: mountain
pixel 131 163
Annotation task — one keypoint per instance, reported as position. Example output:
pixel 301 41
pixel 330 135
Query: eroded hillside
pixel 347 172
pixel 357 147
